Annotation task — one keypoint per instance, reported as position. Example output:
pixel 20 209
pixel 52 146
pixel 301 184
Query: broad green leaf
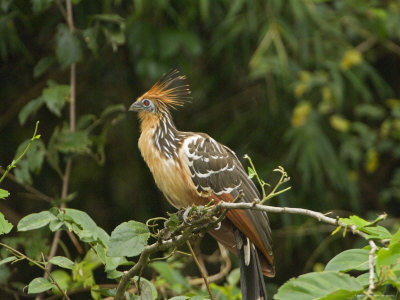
pixel 388 256
pixel 7 260
pixel 179 298
pixel 377 232
pixel 82 224
pixel 319 285
pixel 4 194
pixel 363 279
pixel 63 279
pixel 43 65
pixel 62 262
pixel 147 289
pixel 354 220
pixel 35 220
pixel 172 276
pixel 395 238
pixel 353 259
pixel 29 109
pixel 111 263
pixel 55 96
pixel 128 239
pixel 5 226
pixel 39 285
pixel 68 49
pixel 67 141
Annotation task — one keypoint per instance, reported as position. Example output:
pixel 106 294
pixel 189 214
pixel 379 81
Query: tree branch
pixel 214 215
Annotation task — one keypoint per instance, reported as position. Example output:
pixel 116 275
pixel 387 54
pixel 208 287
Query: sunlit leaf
pixel 128 239
pixel 319 285
pixel 4 194
pixel 39 285
pixel 62 262
pixel 353 259
pixel 5 226
pixel 35 221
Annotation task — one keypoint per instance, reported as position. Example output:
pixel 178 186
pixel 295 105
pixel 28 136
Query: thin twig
pixel 15 161
pixel 72 125
pixel 203 273
pixel 225 268
pixel 38 264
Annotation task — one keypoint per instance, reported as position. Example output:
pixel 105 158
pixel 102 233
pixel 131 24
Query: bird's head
pixel 169 92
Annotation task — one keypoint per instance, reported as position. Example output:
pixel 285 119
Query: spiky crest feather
pixel 169 90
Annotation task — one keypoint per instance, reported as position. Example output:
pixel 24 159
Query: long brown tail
pixel 251 277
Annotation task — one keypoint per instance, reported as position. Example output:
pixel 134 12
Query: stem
pixel 38 264
pixel 14 162
pixel 72 126
pixel 203 274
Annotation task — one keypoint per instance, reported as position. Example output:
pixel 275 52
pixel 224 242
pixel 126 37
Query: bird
pixel 193 169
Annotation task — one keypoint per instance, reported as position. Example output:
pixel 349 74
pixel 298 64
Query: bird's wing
pixel 217 174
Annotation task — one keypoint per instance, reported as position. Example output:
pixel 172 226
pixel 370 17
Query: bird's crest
pixel 170 89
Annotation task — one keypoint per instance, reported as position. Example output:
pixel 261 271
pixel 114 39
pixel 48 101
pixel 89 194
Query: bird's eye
pixel 146 102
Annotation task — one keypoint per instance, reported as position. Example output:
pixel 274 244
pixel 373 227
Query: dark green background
pixel 309 85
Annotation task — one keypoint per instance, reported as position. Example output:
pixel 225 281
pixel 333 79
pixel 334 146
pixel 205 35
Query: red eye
pixel 146 102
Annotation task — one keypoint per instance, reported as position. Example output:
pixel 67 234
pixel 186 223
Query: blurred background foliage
pixel 311 85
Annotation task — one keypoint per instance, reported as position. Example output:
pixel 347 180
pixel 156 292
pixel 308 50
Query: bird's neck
pixel 161 129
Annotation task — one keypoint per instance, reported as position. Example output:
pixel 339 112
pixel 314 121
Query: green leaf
pixel 7 260
pixel 171 275
pixel 251 172
pixel 90 37
pixel 233 277
pixel 62 262
pixel 40 5
pixel 43 65
pixel 55 97
pixel 111 263
pixel 4 194
pixel 82 224
pixel 63 279
pixel 388 256
pixel 39 285
pixel 31 162
pixel 35 220
pixel 128 239
pixel 29 109
pixel 353 259
pixel 5 226
pixel 68 49
pixel 319 285
pixel 68 141
pixel 147 289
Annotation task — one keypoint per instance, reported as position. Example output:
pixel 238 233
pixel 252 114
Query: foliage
pixel 308 84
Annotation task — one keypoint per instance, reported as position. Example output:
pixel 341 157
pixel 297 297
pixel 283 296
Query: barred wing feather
pixel 217 174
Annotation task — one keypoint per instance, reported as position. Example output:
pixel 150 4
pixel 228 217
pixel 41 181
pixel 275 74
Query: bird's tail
pixel 251 277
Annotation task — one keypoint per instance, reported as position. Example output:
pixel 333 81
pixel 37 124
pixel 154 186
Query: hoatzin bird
pixel 193 169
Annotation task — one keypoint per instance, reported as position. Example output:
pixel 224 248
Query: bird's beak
pixel 136 106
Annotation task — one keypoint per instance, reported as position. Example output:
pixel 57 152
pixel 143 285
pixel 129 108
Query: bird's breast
pixel 167 172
